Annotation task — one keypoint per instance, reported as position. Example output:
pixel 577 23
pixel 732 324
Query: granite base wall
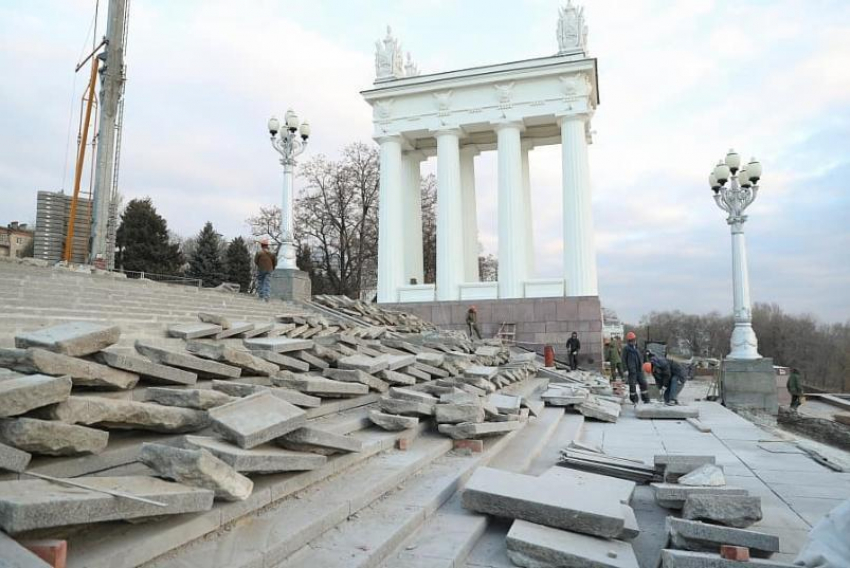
pixel 539 321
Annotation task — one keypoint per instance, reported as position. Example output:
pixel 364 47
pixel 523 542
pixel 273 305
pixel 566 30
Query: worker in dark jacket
pixel 472 322
pixel 573 347
pixel 795 387
pixel 633 362
pixel 615 361
pixel 265 260
pixel 660 368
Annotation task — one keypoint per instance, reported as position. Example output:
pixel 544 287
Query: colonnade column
pixel 390 234
pixel 450 269
pixel 412 217
pixel 528 229
pixel 470 213
pixel 512 263
pixel 579 246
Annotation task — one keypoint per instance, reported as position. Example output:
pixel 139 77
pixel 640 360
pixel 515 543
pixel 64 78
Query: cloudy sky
pixel 680 83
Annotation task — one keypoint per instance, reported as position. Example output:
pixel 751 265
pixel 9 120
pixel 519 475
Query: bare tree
pixel 429 228
pixel 266 225
pixel 488 268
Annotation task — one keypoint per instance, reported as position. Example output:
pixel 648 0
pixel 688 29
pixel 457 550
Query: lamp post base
pixel 290 285
pixel 743 342
pixel 750 384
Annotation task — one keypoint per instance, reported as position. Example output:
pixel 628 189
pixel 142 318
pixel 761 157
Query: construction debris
pixel 703 537
pixel 604 464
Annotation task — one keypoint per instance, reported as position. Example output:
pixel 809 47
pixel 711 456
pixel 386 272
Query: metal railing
pixel 164 278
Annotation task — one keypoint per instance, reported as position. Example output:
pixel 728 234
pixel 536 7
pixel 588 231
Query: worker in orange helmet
pixel 472 322
pixel 633 362
pixel 266 262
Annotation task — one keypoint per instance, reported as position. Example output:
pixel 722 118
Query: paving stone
pixel 631 530
pixel 259 329
pixel 356 376
pixel 544 501
pixel 688 559
pixel 215 319
pixel 34 503
pixel 312 360
pixel 460 397
pixel 594 407
pixel 319 386
pixel 481 371
pixel 316 437
pixel 536 546
pixel 558 395
pixel 255 419
pixel 739 511
pixel 673 495
pixel 620 489
pixel 431 370
pixel 704 537
pixel 658 411
pixel 416 373
pixel 488 351
pixel 677 464
pixel 202 367
pixel 505 403
pixel 83 372
pixel 193 330
pixel 396 378
pixel 284 361
pixel 50 438
pixel 369 365
pixel 535 407
pixel 201 399
pixel 467 430
pixel 153 372
pixel 406 407
pixel 126 415
pixel 19 395
pixel 75 339
pixel 414 395
pixel 13 459
pixel 233 388
pixel 198 468
pixel 398 361
pixel 707 474
pixel 277 344
pixel 262 459
pixel 392 422
pixel 432 359
pixel 242 359
pixel 236 328
pixel 457 413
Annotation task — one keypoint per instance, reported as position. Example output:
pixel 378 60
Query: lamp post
pixel 289 142
pixel 734 198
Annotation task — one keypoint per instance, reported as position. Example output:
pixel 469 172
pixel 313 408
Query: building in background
pixel 15 239
pixel 51 225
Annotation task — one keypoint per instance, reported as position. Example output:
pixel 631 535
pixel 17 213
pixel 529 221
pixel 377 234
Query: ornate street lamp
pixel 734 198
pixel 290 142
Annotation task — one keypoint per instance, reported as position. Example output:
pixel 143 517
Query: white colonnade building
pixel 510 108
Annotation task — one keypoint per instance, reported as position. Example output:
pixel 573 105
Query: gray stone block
pixel 50 438
pixel 658 411
pixel 259 329
pixel 308 436
pixel 246 389
pixel 236 328
pixel 369 365
pixel 289 285
pixel 406 407
pixel 631 529
pixel 202 367
pixel 82 372
pixel 543 501
pixel 14 555
pixel 620 489
pixel 704 537
pixel 13 459
pixel 398 361
pixel 74 339
pixel 356 376
pixel 673 495
pixel 688 559
pixel 704 475
pixel 319 386
pixel 255 419
pixel 599 409
pixel 396 378
pixel 738 511
pixel 285 362
pixel 126 415
pixel 193 330
pixel 238 358
pixel 469 430
pixel 506 404
pixel 674 465
pixel 19 395
pixel 198 468
pixel 392 422
pixel 261 459
pixel 277 344
pixel 153 372
pixel 36 504
pixel 413 395
pixel 535 546
pixel 312 360
pixel 750 384
pixel 457 413
pixel 215 319
pixel 201 399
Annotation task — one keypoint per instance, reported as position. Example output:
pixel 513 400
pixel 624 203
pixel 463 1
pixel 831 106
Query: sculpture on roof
pixel 410 68
pixel 389 62
pixel 572 31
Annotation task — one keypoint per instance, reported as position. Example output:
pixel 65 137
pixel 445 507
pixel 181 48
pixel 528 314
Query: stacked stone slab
pixel 704 537
pixel 198 468
pixel 537 546
pixel 82 372
pixel 262 459
pixel 256 419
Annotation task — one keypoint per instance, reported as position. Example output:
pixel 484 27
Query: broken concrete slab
pixel 259 329
pixel 543 501
pixel 599 409
pixel 432 359
pixel 469 430
pixel 674 466
pixel 620 489
pixel 308 436
pixel 126 415
pixel 202 367
pixel 13 459
pixel 255 419
pixel 75 339
pixel 283 361
pixel 364 363
pixel 277 344
pixel 506 404
pixel 19 395
pixel 431 370
pixel 224 354
pixel 295 397
pixel 398 361
pixel 482 372
pixel 688 559
pixel 261 459
pixel 739 511
pixel 457 413
pixel 704 537
pixel 705 475
pixel 198 468
pixel 536 546
pixel 153 372
pixel 558 395
pixel 406 407
pixel 392 422
pixel 83 373
pixel 414 395
pixel 488 351
pixel 50 438
pixel 201 399
pixel 236 328
pixel 319 386
pixel 673 495
pixel 35 504
pixel 396 378
pixel 215 319
pixel 356 376
pixel 193 330
pixel 660 411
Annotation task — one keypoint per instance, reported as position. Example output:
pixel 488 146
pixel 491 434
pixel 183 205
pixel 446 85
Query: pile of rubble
pixel 373 314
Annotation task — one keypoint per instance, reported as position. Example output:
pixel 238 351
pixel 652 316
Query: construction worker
pixel 795 387
pixel 472 322
pixel 633 362
pixel 615 361
pixel 265 261
pixel 573 347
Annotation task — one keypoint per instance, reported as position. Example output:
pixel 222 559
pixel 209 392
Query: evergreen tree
pixel 205 262
pixel 143 241
pixel 237 264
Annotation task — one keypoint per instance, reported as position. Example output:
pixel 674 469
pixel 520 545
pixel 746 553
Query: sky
pixel 680 83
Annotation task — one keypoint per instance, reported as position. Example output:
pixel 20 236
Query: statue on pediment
pixel 389 61
pixel 572 30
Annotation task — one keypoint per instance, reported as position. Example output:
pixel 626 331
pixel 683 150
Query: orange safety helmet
pixel 647 367
pixel 630 335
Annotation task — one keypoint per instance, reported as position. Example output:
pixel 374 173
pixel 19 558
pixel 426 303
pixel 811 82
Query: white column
pixel 287 253
pixel 470 213
pixel 449 219
pixel 390 236
pixel 579 247
pixel 512 263
pixel 528 230
pixel 412 217
pixel 743 342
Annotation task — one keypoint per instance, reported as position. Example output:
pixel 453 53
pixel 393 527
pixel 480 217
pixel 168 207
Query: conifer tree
pixel 143 241
pixel 205 262
pixel 237 264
